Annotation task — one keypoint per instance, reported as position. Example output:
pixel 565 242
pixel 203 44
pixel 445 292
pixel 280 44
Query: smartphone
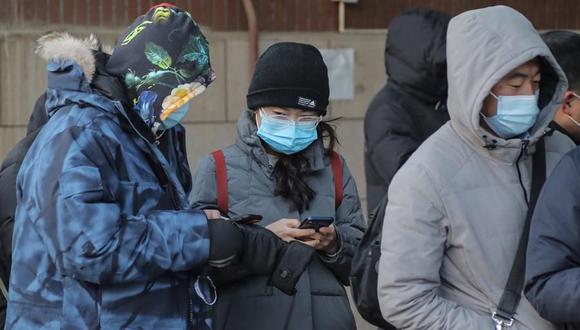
pixel 316 222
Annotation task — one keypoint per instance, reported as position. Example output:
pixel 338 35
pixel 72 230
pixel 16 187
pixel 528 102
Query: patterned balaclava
pixel 163 58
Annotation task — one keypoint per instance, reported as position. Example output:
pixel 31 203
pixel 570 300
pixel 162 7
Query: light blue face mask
pixel 515 115
pixel 176 116
pixel 286 136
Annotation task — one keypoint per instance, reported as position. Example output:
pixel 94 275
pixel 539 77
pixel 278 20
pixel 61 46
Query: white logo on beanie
pixel 306 102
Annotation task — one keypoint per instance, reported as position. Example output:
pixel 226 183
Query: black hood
pixel 415 56
pixel 107 84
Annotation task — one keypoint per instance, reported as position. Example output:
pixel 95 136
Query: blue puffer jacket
pixel 101 239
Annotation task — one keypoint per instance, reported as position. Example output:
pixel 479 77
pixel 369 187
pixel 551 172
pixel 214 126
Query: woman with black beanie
pixel 283 167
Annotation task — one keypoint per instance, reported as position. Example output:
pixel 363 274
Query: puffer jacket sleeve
pixel 204 195
pixel 553 266
pixel 390 140
pixel 412 250
pixel 92 238
pixel 350 226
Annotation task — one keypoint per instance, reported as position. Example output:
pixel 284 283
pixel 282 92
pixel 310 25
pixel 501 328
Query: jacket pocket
pixel 79 180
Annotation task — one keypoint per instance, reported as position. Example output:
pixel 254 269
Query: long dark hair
pixel 291 170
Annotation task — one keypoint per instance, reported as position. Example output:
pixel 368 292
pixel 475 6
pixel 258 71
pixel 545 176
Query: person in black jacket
pixel 565 45
pixel 411 106
pixel 553 256
pixel 564 133
pixel 8 172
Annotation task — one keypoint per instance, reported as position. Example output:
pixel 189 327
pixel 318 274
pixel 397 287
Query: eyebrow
pixel 515 75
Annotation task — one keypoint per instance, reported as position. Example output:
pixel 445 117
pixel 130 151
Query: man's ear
pixel 566 106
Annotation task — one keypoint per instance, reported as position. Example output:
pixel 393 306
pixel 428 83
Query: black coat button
pixel 284 274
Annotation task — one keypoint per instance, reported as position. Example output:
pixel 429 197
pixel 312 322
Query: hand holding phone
pixel 287 229
pixel 316 222
pixel 324 237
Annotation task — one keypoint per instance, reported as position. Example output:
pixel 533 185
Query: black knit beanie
pixel 290 75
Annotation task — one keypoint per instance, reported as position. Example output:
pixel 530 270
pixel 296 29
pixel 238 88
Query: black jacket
pixel 410 107
pixel 553 259
pixel 8 172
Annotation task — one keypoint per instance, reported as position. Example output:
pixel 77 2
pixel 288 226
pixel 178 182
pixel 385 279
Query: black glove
pixel 241 249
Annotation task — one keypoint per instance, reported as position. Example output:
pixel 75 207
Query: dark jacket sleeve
pixel 350 226
pixel 94 237
pixel 389 139
pixel 553 257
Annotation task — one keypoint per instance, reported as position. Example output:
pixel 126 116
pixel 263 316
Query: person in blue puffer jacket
pixel 104 236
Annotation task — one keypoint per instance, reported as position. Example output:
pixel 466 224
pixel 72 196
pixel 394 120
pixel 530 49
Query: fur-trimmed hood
pixel 62 45
pixel 76 73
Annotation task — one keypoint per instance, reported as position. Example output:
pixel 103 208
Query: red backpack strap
pixel 337 177
pixel 221 179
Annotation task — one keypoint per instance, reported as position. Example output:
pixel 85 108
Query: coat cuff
pixel 333 257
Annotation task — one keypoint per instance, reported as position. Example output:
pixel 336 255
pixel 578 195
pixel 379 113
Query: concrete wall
pixel 211 121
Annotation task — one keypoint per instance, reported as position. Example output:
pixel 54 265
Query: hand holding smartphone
pixel 316 222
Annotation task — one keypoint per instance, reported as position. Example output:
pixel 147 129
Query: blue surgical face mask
pixel 176 116
pixel 515 115
pixel 286 136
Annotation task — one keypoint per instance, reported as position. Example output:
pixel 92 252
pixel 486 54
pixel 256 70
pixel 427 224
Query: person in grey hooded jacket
pixel 458 206
pixel 280 168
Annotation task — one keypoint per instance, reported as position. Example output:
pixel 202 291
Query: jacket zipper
pixel 523 150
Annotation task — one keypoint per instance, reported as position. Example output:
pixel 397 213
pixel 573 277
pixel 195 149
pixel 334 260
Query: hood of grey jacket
pixel 478 56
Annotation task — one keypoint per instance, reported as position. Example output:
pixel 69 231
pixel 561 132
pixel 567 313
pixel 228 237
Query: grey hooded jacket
pixel 320 301
pixel 456 208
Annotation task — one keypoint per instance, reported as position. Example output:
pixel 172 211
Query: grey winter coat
pixel 456 208
pixel 320 301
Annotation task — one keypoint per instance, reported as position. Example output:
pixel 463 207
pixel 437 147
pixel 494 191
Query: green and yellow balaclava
pixel 163 59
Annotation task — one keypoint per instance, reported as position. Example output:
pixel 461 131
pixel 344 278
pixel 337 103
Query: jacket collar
pixel 249 142
pixel 555 127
